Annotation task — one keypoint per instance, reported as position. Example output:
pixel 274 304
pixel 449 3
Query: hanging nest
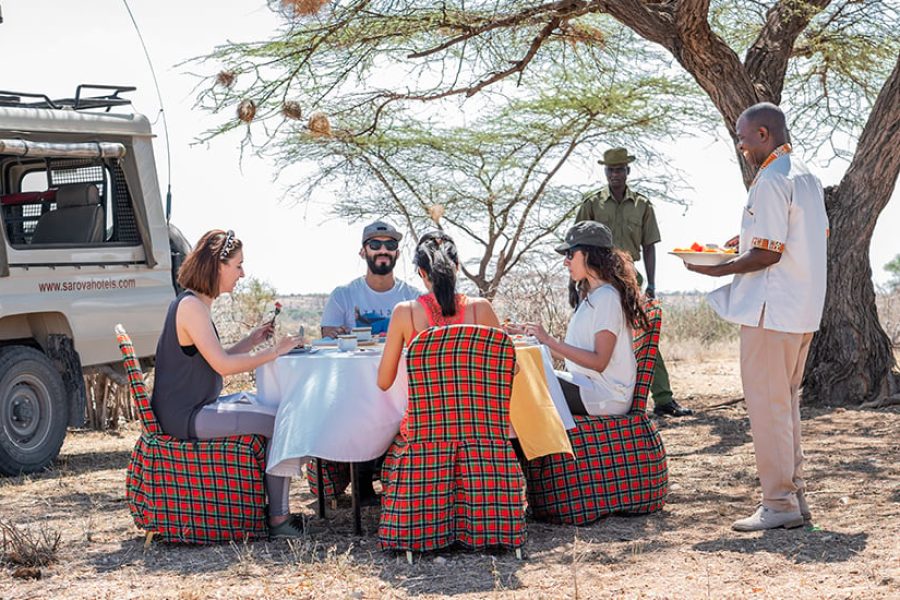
pixel 291 110
pixel 246 110
pixel 304 8
pixel 576 33
pixel 226 78
pixel 319 126
pixel 435 212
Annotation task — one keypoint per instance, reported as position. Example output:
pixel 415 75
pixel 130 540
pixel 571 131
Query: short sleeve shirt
pixel 632 221
pixel 785 213
pixel 358 305
pixel 602 311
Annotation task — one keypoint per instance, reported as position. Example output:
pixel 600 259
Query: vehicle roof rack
pixel 79 102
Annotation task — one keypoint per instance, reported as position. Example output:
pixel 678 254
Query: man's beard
pixel 381 269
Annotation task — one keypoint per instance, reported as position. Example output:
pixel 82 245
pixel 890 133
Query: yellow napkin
pixel 531 409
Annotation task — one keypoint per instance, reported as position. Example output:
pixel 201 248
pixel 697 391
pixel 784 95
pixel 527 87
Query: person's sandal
pixel 291 528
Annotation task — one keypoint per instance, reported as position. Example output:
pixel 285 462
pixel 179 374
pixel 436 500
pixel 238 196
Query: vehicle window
pixel 69 202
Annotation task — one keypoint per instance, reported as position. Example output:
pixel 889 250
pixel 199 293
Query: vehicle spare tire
pixel 33 410
pixel 179 248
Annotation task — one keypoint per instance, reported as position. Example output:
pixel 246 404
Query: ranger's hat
pixel 616 156
pixel 380 229
pixel 586 233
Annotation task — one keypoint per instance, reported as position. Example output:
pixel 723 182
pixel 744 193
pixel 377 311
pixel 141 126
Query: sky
pixel 51 46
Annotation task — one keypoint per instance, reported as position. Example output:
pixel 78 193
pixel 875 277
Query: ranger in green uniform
pixel 630 217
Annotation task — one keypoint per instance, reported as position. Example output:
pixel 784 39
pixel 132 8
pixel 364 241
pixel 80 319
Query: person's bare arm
pixel 194 326
pixel 486 314
pixel 650 264
pixel 257 336
pixel 596 359
pixel 333 331
pixel 399 329
pixel 754 260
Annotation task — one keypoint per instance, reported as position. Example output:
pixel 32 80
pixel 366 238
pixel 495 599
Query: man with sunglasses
pixel 368 301
pixel 630 217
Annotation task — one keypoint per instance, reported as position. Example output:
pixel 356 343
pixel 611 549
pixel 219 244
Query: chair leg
pixel 148 540
pixel 354 497
pixel 519 553
pixel 409 556
pixel 320 496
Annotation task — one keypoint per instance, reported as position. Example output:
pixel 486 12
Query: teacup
pixel 363 334
pixel 346 342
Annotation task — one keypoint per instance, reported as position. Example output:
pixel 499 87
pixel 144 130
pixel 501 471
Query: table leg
pixel 320 488
pixel 354 495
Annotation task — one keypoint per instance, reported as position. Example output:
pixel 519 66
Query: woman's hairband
pixel 228 245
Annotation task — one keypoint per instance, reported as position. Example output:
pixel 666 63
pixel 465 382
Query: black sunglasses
pixel 570 253
pixel 389 245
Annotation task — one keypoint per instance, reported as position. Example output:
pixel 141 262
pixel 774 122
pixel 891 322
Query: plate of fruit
pixel 708 254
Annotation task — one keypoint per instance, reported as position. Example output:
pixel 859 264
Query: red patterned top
pixel 433 310
pixel 435 319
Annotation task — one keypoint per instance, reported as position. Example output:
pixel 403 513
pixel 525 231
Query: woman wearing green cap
pixel 600 365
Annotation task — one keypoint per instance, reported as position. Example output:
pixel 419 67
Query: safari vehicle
pixel 84 244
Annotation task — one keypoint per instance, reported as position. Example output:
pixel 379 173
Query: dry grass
pixel 685 551
pixel 27 547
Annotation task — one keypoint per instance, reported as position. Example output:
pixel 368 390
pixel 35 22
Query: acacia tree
pixel 834 64
pixel 493 179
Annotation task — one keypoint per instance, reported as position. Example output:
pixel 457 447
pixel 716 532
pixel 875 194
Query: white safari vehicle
pixel 84 244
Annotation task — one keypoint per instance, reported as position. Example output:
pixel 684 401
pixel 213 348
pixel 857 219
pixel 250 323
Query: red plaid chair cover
pixel 196 492
pixel 451 475
pixel 335 477
pixel 620 461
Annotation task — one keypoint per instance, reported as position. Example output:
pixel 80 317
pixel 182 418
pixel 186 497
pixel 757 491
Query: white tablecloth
pixel 559 400
pixel 329 406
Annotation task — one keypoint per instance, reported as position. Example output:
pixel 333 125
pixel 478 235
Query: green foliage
pixel 479 106
pixel 491 162
pixel 893 267
pixel 837 65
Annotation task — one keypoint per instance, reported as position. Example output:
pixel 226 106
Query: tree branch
pixel 767 58
pixel 876 163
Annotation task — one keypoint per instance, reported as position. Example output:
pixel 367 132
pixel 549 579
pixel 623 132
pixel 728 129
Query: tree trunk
pixel 851 357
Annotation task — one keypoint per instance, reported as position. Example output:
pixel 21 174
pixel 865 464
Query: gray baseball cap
pixel 586 233
pixel 380 229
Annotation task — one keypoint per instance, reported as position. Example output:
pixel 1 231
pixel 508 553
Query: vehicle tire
pixel 33 410
pixel 179 248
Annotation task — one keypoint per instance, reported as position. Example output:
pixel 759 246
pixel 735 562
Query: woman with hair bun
pixel 438 264
pixel 190 363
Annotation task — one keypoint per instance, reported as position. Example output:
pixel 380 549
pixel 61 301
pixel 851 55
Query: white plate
pixel 704 258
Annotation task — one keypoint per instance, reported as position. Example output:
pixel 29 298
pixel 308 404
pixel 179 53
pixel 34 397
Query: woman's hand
pixel 537 331
pixel 261 333
pixel 514 328
pixel 287 343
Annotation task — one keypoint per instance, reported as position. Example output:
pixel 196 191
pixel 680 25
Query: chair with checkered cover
pixel 620 461
pixel 335 477
pixel 451 475
pixel 192 491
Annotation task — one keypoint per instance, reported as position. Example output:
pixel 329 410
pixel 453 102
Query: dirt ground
pixel 685 551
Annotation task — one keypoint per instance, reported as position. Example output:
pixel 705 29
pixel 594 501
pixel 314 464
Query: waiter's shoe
pixel 804 507
pixel 767 518
pixel 291 528
pixel 671 409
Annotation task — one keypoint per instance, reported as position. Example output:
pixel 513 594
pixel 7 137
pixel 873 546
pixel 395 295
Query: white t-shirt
pixel 358 305
pixel 785 212
pixel 609 392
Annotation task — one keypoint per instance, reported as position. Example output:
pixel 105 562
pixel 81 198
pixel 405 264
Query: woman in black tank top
pixel 191 361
